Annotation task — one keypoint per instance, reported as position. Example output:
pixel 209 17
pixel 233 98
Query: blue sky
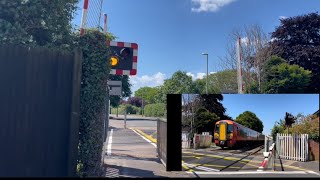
pixel 172 34
pixel 270 108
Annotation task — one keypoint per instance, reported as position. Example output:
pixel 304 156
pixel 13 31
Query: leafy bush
pixel 130 109
pixel 155 110
pixel 280 77
pixel 309 125
pixel 315 137
pixel 95 70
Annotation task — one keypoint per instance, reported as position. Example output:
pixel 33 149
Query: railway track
pixel 221 159
pixel 244 150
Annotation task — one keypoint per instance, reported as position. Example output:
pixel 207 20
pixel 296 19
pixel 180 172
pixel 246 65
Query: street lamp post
pixel 206 54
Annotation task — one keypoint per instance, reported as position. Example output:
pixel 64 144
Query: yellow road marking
pixel 146 136
pixel 226 158
pixel 243 161
pixel 187 168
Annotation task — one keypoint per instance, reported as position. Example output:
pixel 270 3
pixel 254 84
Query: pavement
pixel 129 154
pixel 292 165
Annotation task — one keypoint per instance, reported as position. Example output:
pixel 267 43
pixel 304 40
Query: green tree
pixel 289 120
pixel 297 40
pixel 38 22
pixel 212 102
pixel 281 77
pixel 204 120
pixel 307 125
pixel 200 86
pixel 179 83
pixel 223 81
pixel 155 110
pixel 148 94
pixel 250 120
pixel 279 127
pixel 220 82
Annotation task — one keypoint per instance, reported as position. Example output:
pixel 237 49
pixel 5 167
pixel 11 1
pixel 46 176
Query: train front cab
pixel 224 134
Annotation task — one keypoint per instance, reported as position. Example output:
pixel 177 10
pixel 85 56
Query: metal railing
pixel 162 140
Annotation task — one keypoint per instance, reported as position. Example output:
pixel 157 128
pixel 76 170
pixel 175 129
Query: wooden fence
pixel 39 112
pixel 293 147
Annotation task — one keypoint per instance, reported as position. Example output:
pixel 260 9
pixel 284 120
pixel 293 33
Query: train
pixel 228 133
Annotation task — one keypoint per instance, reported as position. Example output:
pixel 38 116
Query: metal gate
pixel 293 147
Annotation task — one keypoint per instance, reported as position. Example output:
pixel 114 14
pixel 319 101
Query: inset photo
pixel 248 133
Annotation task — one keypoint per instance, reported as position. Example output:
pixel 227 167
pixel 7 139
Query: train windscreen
pixel 230 128
pixel 217 129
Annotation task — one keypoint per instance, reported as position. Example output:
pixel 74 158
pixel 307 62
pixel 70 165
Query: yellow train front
pixel 228 133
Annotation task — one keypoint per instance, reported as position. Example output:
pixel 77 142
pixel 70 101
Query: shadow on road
pixel 120 171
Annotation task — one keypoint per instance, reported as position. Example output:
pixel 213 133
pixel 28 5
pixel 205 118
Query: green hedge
pixel 315 137
pixel 95 70
pixel 130 109
pixel 155 110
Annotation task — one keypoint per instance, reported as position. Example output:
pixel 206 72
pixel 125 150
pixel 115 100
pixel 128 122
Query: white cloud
pixel 272 39
pixel 198 75
pixel 245 41
pixel 145 80
pixel 209 5
pixel 282 17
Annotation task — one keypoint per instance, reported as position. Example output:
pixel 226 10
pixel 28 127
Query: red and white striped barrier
pixel 84 16
pixel 134 46
pixel 268 159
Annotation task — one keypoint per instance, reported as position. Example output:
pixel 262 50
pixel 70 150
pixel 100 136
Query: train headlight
pixel 230 135
pixel 216 135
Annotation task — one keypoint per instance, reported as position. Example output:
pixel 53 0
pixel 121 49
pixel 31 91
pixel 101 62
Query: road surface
pixel 217 162
pixel 129 154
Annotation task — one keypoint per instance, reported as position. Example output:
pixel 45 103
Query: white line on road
pixel 109 143
pixel 249 172
pixel 312 172
pixel 145 138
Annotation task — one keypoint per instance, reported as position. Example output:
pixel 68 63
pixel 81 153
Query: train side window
pixel 230 128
